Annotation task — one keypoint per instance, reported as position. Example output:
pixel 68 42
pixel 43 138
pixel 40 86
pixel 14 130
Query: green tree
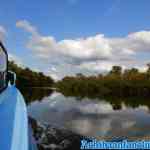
pixel 117 70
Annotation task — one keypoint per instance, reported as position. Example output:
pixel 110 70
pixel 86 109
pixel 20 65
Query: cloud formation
pixel 27 26
pixel 16 59
pixel 95 53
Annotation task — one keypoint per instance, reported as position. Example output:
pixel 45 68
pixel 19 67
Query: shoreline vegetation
pixel 33 85
pixel 28 78
pixel 116 83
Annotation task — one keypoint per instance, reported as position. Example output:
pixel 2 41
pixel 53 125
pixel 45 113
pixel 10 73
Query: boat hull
pixel 13 121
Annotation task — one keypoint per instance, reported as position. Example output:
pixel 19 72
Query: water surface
pixel 99 118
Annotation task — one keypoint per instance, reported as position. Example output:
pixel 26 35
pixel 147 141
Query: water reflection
pixel 98 118
pixel 35 94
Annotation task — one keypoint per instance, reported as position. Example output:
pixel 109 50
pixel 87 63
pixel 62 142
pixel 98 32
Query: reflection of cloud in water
pixel 143 108
pixel 96 108
pixel 128 124
pixel 92 117
pixel 91 127
pixel 54 95
pixel 61 103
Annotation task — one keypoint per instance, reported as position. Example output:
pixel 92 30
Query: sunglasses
pixel 5 75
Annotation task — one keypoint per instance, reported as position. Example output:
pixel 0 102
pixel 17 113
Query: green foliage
pixel 131 82
pixel 29 78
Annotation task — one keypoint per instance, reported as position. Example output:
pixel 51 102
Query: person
pixel 3 67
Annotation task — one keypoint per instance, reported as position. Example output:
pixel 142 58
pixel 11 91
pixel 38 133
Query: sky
pixel 66 37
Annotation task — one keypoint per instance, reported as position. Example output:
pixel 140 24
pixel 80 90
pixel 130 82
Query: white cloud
pixel 89 48
pixel 96 66
pixel 96 47
pixel 16 59
pixel 53 74
pixel 95 53
pixel 54 69
pixel 26 25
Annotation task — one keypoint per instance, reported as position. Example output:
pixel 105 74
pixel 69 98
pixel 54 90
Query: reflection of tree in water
pixel 132 102
pixel 32 94
pixel 116 102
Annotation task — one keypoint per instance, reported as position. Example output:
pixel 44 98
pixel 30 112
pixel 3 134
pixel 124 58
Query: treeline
pixel 28 78
pixel 117 83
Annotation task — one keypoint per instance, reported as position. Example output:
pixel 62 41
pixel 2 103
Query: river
pixel 93 117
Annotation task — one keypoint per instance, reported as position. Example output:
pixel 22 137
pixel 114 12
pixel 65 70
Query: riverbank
pixel 116 83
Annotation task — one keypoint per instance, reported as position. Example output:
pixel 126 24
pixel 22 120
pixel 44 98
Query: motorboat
pixel 15 133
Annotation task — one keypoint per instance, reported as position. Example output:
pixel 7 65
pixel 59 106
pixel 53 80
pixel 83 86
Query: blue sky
pixel 74 36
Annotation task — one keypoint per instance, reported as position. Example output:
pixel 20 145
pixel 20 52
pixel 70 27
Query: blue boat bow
pixel 13 120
